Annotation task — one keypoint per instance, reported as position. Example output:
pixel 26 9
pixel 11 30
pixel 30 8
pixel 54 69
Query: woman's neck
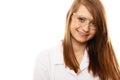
pixel 79 49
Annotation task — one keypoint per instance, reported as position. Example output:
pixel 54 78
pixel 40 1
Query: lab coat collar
pixel 59 60
pixel 85 61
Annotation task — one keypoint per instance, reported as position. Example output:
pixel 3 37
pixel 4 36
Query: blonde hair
pixel 103 62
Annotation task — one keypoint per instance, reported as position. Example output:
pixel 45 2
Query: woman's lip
pixel 82 34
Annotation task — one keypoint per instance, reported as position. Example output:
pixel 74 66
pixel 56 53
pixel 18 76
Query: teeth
pixel 82 34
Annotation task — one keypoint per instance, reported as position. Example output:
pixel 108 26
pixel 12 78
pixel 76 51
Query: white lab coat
pixel 50 66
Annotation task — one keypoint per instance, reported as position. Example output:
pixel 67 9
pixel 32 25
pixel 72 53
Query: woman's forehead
pixel 84 12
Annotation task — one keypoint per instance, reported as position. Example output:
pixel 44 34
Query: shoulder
pixel 49 54
pixel 45 61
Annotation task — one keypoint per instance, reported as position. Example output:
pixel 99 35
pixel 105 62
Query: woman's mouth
pixel 82 34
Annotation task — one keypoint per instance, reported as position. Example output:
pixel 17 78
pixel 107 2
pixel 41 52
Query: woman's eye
pixel 92 24
pixel 82 20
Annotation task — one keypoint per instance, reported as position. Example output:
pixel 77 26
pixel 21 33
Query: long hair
pixel 102 59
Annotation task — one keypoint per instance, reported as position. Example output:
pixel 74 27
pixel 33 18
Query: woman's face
pixel 82 25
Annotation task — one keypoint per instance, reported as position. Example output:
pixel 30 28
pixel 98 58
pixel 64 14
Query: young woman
pixel 86 52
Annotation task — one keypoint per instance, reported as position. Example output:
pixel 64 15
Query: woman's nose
pixel 86 27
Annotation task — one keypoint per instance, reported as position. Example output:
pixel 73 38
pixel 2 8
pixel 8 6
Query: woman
pixel 86 52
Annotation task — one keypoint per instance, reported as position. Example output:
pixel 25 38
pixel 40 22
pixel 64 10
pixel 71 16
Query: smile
pixel 82 34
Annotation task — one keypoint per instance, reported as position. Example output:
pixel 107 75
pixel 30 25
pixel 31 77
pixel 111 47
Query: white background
pixel 30 26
